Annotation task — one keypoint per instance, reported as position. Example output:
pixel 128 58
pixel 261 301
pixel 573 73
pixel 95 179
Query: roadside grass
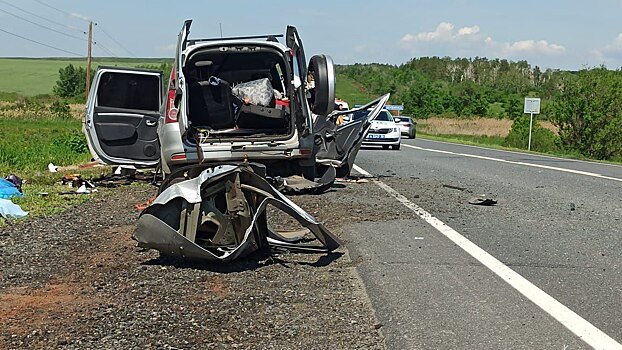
pixel 37 76
pixel 471 126
pixel 27 146
pixel 351 92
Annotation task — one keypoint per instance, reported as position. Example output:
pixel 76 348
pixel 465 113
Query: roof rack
pixel 267 37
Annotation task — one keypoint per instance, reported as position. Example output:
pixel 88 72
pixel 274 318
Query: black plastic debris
pixel 482 201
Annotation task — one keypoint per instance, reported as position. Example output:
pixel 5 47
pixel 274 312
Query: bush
pixel 588 112
pixel 61 110
pixel 72 142
pixel 542 140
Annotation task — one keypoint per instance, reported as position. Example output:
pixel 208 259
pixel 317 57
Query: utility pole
pixel 88 59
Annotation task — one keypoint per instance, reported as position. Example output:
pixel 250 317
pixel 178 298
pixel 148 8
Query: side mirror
pixel 322 99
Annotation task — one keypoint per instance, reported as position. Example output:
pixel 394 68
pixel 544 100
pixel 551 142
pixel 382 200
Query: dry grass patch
pixel 474 127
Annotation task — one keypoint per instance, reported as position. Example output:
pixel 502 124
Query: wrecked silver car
pixel 229 103
pixel 227 100
pixel 221 215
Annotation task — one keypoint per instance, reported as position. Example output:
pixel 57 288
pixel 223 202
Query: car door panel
pixel 122 116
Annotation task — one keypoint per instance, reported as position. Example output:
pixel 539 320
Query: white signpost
pixel 532 106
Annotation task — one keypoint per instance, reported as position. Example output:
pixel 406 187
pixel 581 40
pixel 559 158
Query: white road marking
pixel 572 171
pixel 568 318
pixel 523 153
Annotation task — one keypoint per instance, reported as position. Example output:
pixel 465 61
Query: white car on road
pixel 383 131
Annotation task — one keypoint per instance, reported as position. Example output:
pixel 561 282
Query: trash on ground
pixel 76 181
pixel 482 201
pixel 220 215
pixel 15 180
pixel 454 187
pixel 8 189
pixel 54 168
pixel 143 206
pixel 11 210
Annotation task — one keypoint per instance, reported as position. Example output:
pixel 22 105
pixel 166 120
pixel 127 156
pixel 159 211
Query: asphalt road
pixel 557 223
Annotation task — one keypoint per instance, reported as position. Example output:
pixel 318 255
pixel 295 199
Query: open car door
pixel 122 116
pixel 338 145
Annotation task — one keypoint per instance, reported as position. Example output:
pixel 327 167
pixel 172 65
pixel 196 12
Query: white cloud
pixel 468 31
pixel 443 32
pixel 610 54
pixel 532 46
pixel 470 42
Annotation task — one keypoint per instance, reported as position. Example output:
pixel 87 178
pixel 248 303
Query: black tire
pixel 396 147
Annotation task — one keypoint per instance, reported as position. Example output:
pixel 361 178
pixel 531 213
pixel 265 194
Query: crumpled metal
pixel 220 215
pixel 337 145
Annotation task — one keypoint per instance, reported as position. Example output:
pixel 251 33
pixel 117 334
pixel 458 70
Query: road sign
pixel 394 107
pixel 532 105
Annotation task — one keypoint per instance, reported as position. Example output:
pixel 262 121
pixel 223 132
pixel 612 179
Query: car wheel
pixel 412 134
pixel 396 147
pixel 385 146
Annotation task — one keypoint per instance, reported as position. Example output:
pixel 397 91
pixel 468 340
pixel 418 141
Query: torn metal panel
pixel 220 215
pixel 337 146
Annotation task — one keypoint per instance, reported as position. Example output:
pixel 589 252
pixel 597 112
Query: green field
pixel 37 76
pixel 349 91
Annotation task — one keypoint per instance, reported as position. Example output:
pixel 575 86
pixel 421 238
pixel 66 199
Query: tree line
pixel 585 105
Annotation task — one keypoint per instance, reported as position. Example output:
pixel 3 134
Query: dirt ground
pixel 77 281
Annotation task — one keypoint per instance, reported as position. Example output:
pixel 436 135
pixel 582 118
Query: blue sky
pixel 561 34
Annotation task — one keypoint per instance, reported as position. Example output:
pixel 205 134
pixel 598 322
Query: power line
pixel 105 49
pixel 40 43
pixel 61 11
pixel 41 17
pixel 42 26
pixel 111 38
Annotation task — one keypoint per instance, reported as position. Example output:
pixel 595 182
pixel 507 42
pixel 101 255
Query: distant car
pixel 407 126
pixel 383 131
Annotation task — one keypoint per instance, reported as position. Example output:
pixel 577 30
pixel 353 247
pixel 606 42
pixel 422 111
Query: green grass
pixel 37 76
pixel 26 148
pixel 349 91
pixel 29 145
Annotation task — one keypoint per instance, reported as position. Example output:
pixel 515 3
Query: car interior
pixel 238 91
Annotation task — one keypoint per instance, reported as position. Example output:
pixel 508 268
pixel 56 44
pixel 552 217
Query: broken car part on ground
pixel 220 215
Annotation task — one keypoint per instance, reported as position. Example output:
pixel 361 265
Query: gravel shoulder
pixel 77 280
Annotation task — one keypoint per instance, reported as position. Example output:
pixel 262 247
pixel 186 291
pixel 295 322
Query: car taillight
pixel 171 110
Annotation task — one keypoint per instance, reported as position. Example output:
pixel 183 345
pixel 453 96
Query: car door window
pixel 129 91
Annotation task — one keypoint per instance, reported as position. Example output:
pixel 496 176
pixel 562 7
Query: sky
pixel 555 34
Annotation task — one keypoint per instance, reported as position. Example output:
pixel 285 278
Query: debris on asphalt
pixel 572 207
pixel 454 187
pixel 482 201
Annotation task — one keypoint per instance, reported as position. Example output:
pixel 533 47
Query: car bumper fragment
pixel 220 215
